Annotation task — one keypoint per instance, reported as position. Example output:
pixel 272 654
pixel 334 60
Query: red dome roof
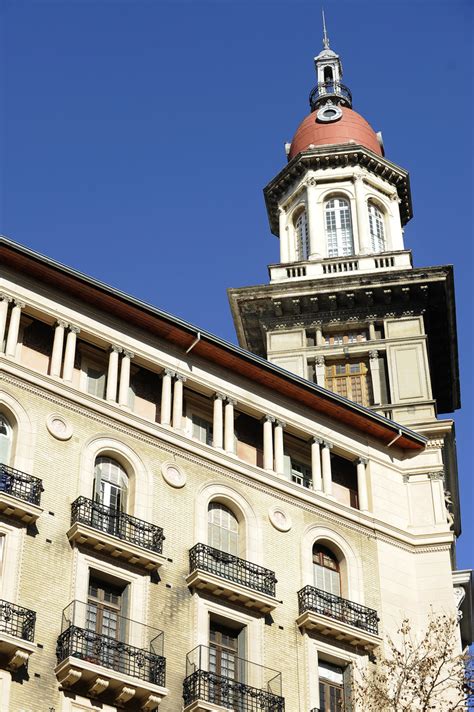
pixel 350 128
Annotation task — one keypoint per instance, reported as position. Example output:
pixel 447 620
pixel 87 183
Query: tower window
pixel 351 379
pixel 338 227
pixel 302 236
pixel 376 228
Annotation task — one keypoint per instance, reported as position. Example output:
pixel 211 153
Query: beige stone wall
pixel 383 573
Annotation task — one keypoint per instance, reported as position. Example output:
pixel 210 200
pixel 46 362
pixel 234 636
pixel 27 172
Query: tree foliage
pixel 418 673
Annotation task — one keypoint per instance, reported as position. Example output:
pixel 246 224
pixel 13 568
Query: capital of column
pixel 268 419
pixel 74 329
pixel 281 423
pixel 19 304
pixel 219 396
pixel 362 461
pixel 117 349
pixel 319 361
pixel 436 475
pixel 316 440
pixel 312 182
pixel 5 298
pixel 169 372
pixel 180 377
pixel 373 355
pixel 327 444
pixel 231 401
pixel 128 354
pixel 62 324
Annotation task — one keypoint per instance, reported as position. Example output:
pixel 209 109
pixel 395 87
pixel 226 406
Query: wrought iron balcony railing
pixel 233 692
pixel 117 524
pixel 232 568
pixel 329 89
pixel 20 485
pixel 17 621
pixel 337 608
pixel 80 639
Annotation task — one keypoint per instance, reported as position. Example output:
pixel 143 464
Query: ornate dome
pixel 350 128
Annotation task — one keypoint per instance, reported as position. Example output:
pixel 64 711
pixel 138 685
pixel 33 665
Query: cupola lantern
pixel 329 89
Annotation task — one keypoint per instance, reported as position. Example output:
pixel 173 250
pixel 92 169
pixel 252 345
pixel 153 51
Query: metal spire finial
pixel 325 34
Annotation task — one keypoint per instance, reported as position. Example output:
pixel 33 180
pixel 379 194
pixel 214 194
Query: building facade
pixel 187 525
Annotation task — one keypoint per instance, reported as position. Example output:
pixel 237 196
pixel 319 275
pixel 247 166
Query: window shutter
pixel 123 621
pixel 241 652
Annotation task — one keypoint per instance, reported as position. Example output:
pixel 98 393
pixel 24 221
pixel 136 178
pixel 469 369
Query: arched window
pixel 326 570
pixel 6 437
pixel 338 227
pixel 376 228
pixel 302 236
pixel 223 528
pixel 110 484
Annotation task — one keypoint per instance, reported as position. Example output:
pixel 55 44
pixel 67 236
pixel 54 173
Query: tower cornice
pixel 338 156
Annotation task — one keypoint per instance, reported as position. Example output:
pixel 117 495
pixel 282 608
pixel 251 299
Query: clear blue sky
pixel 136 137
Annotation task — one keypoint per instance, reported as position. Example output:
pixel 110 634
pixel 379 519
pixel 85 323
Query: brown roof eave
pixel 210 347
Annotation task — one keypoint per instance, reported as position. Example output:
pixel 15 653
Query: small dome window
pixel 329 112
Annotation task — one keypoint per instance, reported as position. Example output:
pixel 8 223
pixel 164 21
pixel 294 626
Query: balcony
pixel 338 618
pixel 253 688
pixel 330 90
pixel 17 631
pixel 20 495
pixel 120 535
pixel 227 576
pixel 129 667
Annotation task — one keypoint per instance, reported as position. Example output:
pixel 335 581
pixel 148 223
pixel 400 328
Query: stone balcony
pixel 20 495
pixel 17 631
pixel 338 618
pixel 337 266
pixel 128 668
pixel 251 688
pixel 98 527
pixel 228 576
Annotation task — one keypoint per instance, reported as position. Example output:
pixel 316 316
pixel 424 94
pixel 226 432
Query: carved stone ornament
pixel 373 355
pixel 319 360
pixel 173 475
pixel 58 427
pixel 279 519
pixel 459 596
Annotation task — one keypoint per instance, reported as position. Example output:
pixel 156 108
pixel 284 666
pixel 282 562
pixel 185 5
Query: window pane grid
pixel 339 228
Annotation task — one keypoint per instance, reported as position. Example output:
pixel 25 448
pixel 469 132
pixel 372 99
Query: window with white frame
pixel 338 222
pixel 202 429
pixel 332 684
pixel 302 236
pixel 376 228
pixel 6 437
pixel 110 484
pixel 223 528
pixel 326 570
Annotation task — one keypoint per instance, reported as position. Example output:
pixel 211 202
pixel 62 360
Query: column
pixel 284 241
pixel 268 442
pixel 374 364
pixel 315 222
pixel 13 328
pixel 319 335
pixel 124 387
pixel 178 401
pixel 320 370
pixel 57 352
pixel 218 420
pixel 70 353
pixel 112 373
pixel 279 448
pixel 437 492
pixel 166 396
pixel 326 467
pixel 362 485
pixel 4 302
pixel 361 210
pixel 371 331
pixel 316 464
pixel 229 425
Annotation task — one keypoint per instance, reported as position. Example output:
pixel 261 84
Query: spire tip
pixel 325 34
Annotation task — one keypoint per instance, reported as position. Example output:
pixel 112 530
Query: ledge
pixel 83 535
pixel 14 652
pixel 221 587
pixel 309 621
pixel 203 706
pixel 97 680
pixel 19 509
